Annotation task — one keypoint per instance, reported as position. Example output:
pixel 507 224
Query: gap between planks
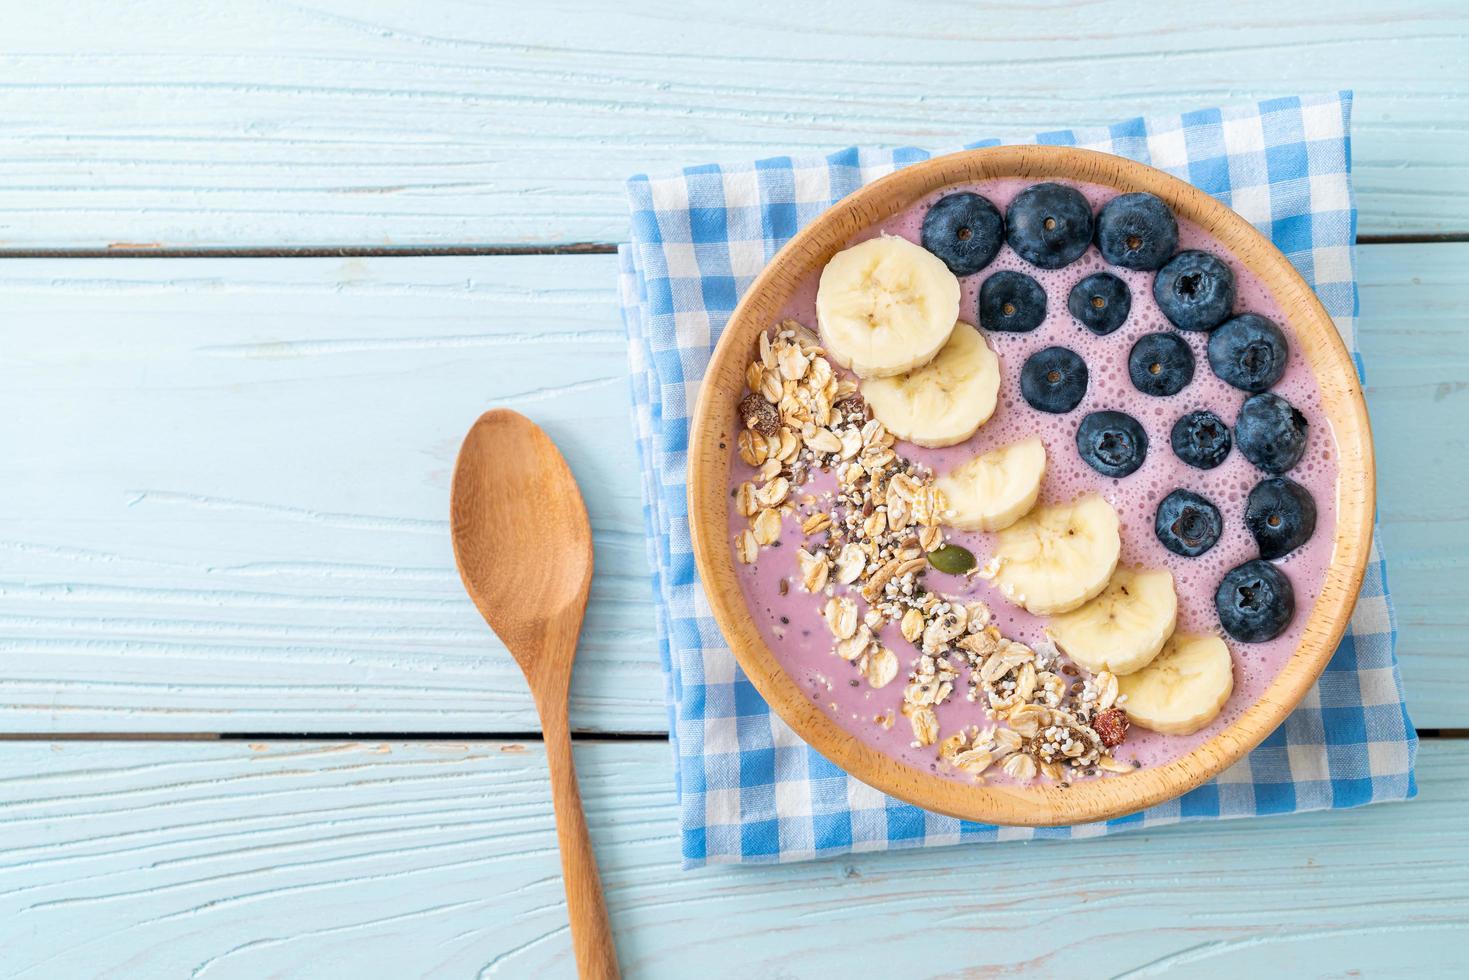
pixel 374 736
pixel 130 250
pixel 370 736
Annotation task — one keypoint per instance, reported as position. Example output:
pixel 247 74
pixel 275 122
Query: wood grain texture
pixel 1414 339
pixel 716 421
pixel 225 860
pixel 378 122
pixel 154 577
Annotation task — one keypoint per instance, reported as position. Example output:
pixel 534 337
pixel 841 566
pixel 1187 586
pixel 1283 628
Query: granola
pixel 871 537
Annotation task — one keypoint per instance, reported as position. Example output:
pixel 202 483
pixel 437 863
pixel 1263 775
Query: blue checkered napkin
pixel 749 789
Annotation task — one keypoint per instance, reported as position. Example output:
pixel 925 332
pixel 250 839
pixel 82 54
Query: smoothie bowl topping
pixel 1015 458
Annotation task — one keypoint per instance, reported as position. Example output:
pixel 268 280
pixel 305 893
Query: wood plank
pixel 226 509
pixel 1415 343
pixel 218 860
pixel 234 495
pixel 374 122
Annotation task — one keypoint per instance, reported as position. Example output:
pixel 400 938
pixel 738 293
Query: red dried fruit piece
pixel 759 415
pixel 1111 727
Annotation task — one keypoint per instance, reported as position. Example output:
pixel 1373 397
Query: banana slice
pixel 945 400
pixel 1056 558
pixel 1184 689
pixel 885 306
pixel 993 491
pixel 1125 627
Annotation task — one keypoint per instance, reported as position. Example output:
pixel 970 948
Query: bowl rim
pixel 715 424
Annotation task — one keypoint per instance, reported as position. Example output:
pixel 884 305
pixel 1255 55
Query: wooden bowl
pixel 716 423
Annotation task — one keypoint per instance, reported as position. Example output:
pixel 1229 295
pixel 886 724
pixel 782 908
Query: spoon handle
pixel 591 934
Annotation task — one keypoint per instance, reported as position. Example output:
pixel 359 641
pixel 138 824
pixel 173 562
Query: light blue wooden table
pixel 251 725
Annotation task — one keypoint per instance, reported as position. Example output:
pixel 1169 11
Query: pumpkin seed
pixel 951 559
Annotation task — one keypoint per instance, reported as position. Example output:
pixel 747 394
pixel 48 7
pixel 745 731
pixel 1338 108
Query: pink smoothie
pixel 792 624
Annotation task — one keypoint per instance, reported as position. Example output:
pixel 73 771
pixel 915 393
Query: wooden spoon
pixel 524 550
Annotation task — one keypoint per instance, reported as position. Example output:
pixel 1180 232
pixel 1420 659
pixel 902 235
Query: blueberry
pixel 1011 301
pixel 1271 432
pixel 1255 602
pixel 1281 516
pixel 1195 291
pixel 1049 225
pixel 1100 302
pixel 1201 439
pixel 965 231
pixel 1112 443
pixel 1053 380
pixel 1136 231
pixel 1248 352
pixel 1187 524
pixel 1160 364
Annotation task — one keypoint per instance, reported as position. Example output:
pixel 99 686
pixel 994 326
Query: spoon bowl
pixel 521 536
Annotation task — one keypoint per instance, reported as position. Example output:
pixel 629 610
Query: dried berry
pixel 759 415
pixel 1111 727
